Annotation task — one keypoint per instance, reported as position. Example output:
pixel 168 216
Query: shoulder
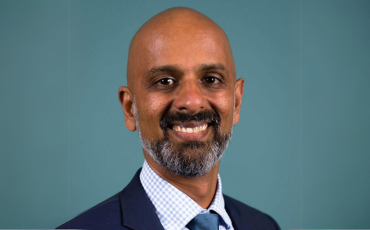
pixel 105 215
pixel 247 217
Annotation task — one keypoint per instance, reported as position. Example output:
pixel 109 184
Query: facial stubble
pixel 188 159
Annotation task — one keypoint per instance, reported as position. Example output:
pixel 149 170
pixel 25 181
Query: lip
pixel 183 136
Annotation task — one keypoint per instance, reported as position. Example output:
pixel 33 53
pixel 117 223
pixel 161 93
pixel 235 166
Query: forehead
pixel 185 47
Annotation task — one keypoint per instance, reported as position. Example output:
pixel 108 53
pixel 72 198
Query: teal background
pixel 300 153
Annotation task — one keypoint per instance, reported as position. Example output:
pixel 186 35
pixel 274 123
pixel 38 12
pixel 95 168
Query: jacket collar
pixel 234 213
pixel 137 211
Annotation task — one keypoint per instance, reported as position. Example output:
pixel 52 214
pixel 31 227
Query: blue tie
pixel 204 222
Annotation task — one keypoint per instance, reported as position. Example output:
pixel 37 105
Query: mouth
pixel 182 129
pixel 190 131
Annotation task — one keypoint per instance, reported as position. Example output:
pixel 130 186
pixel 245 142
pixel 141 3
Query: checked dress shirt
pixel 174 208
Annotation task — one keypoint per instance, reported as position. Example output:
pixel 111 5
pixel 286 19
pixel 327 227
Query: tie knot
pixel 206 221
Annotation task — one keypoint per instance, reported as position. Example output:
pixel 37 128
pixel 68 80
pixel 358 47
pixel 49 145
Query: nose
pixel 189 98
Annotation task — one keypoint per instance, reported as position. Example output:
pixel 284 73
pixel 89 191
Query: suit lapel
pixel 138 211
pixel 234 213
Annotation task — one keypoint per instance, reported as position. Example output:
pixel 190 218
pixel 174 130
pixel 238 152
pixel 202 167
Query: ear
pixel 126 99
pixel 239 90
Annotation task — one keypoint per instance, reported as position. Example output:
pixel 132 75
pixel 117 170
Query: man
pixel 183 98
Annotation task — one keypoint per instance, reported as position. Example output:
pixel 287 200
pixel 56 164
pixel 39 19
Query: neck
pixel 201 189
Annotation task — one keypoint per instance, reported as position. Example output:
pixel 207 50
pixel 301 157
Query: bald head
pixel 175 32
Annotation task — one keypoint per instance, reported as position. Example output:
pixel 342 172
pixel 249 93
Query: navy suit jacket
pixel 132 209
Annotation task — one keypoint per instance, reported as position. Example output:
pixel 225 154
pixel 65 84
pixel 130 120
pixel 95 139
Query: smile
pixel 183 129
pixel 190 130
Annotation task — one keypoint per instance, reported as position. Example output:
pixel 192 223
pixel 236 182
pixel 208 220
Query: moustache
pixel 208 116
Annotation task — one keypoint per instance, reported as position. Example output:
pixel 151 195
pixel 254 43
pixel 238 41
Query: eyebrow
pixel 209 67
pixel 165 68
pixel 176 68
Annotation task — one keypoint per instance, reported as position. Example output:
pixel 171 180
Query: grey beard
pixel 205 157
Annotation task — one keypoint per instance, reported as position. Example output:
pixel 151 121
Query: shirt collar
pixel 174 208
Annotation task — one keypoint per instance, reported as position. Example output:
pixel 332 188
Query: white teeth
pixel 178 128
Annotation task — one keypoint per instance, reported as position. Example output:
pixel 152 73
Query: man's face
pixel 184 99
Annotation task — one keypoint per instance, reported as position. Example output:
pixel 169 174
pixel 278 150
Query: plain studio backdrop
pixel 300 153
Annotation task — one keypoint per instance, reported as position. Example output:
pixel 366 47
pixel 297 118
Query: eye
pixel 211 80
pixel 166 81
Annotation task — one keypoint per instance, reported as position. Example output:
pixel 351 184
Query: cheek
pixel 224 105
pixel 150 111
